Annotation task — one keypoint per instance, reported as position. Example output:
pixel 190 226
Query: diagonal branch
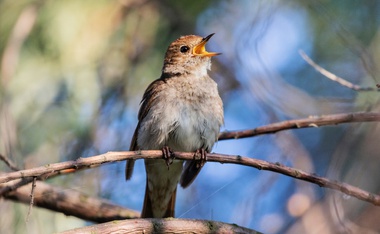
pixel 9 163
pixel 313 121
pixel 334 77
pixel 71 202
pixel 222 158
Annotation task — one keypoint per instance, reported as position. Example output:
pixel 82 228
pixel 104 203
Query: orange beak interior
pixel 200 49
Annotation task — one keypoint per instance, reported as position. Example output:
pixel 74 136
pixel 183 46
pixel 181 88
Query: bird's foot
pixel 168 155
pixel 201 156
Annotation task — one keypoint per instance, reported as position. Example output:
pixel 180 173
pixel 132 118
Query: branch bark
pixel 71 202
pixel 163 226
pixel 311 122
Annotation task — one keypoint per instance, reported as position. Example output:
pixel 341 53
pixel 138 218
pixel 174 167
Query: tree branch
pixel 334 77
pixel 222 158
pixel 312 121
pixel 71 202
pixel 163 226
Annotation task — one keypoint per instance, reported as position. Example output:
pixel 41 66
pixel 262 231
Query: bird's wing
pixel 146 103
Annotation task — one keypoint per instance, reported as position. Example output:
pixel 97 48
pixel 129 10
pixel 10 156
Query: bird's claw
pixel 201 156
pixel 168 155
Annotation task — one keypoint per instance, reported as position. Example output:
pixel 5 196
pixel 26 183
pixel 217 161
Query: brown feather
pixel 190 172
pixel 146 104
pixel 147 211
pixel 131 162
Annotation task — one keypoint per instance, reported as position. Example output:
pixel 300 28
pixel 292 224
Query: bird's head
pixel 188 54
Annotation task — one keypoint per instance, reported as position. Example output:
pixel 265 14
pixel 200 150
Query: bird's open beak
pixel 200 49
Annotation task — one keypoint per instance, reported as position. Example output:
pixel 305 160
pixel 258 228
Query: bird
pixel 180 111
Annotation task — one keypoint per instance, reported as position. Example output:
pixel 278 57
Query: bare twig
pixel 334 77
pixel 72 202
pixel 222 158
pixel 163 226
pixel 9 163
pixel 31 199
pixel 313 121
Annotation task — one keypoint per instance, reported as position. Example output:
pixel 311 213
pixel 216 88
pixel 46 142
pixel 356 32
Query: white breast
pixel 188 119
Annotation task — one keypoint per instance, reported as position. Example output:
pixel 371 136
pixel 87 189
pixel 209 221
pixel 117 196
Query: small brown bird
pixel 180 111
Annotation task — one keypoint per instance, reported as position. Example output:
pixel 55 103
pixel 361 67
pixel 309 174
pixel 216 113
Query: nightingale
pixel 180 111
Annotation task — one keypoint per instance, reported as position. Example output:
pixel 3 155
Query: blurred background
pixel 73 73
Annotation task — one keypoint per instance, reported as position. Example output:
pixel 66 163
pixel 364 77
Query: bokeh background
pixel 73 73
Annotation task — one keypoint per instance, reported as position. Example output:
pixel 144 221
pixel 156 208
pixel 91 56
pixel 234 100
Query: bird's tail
pixel 147 211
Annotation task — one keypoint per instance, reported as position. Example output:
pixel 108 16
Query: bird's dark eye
pixel 184 49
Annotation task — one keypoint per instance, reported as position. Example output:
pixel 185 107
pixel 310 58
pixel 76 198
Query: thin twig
pixel 31 199
pixel 332 76
pixel 9 163
pixel 222 158
pixel 311 122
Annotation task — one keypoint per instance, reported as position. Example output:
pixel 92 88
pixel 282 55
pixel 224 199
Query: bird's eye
pixel 184 49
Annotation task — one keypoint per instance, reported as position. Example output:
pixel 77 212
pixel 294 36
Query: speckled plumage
pixel 182 110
